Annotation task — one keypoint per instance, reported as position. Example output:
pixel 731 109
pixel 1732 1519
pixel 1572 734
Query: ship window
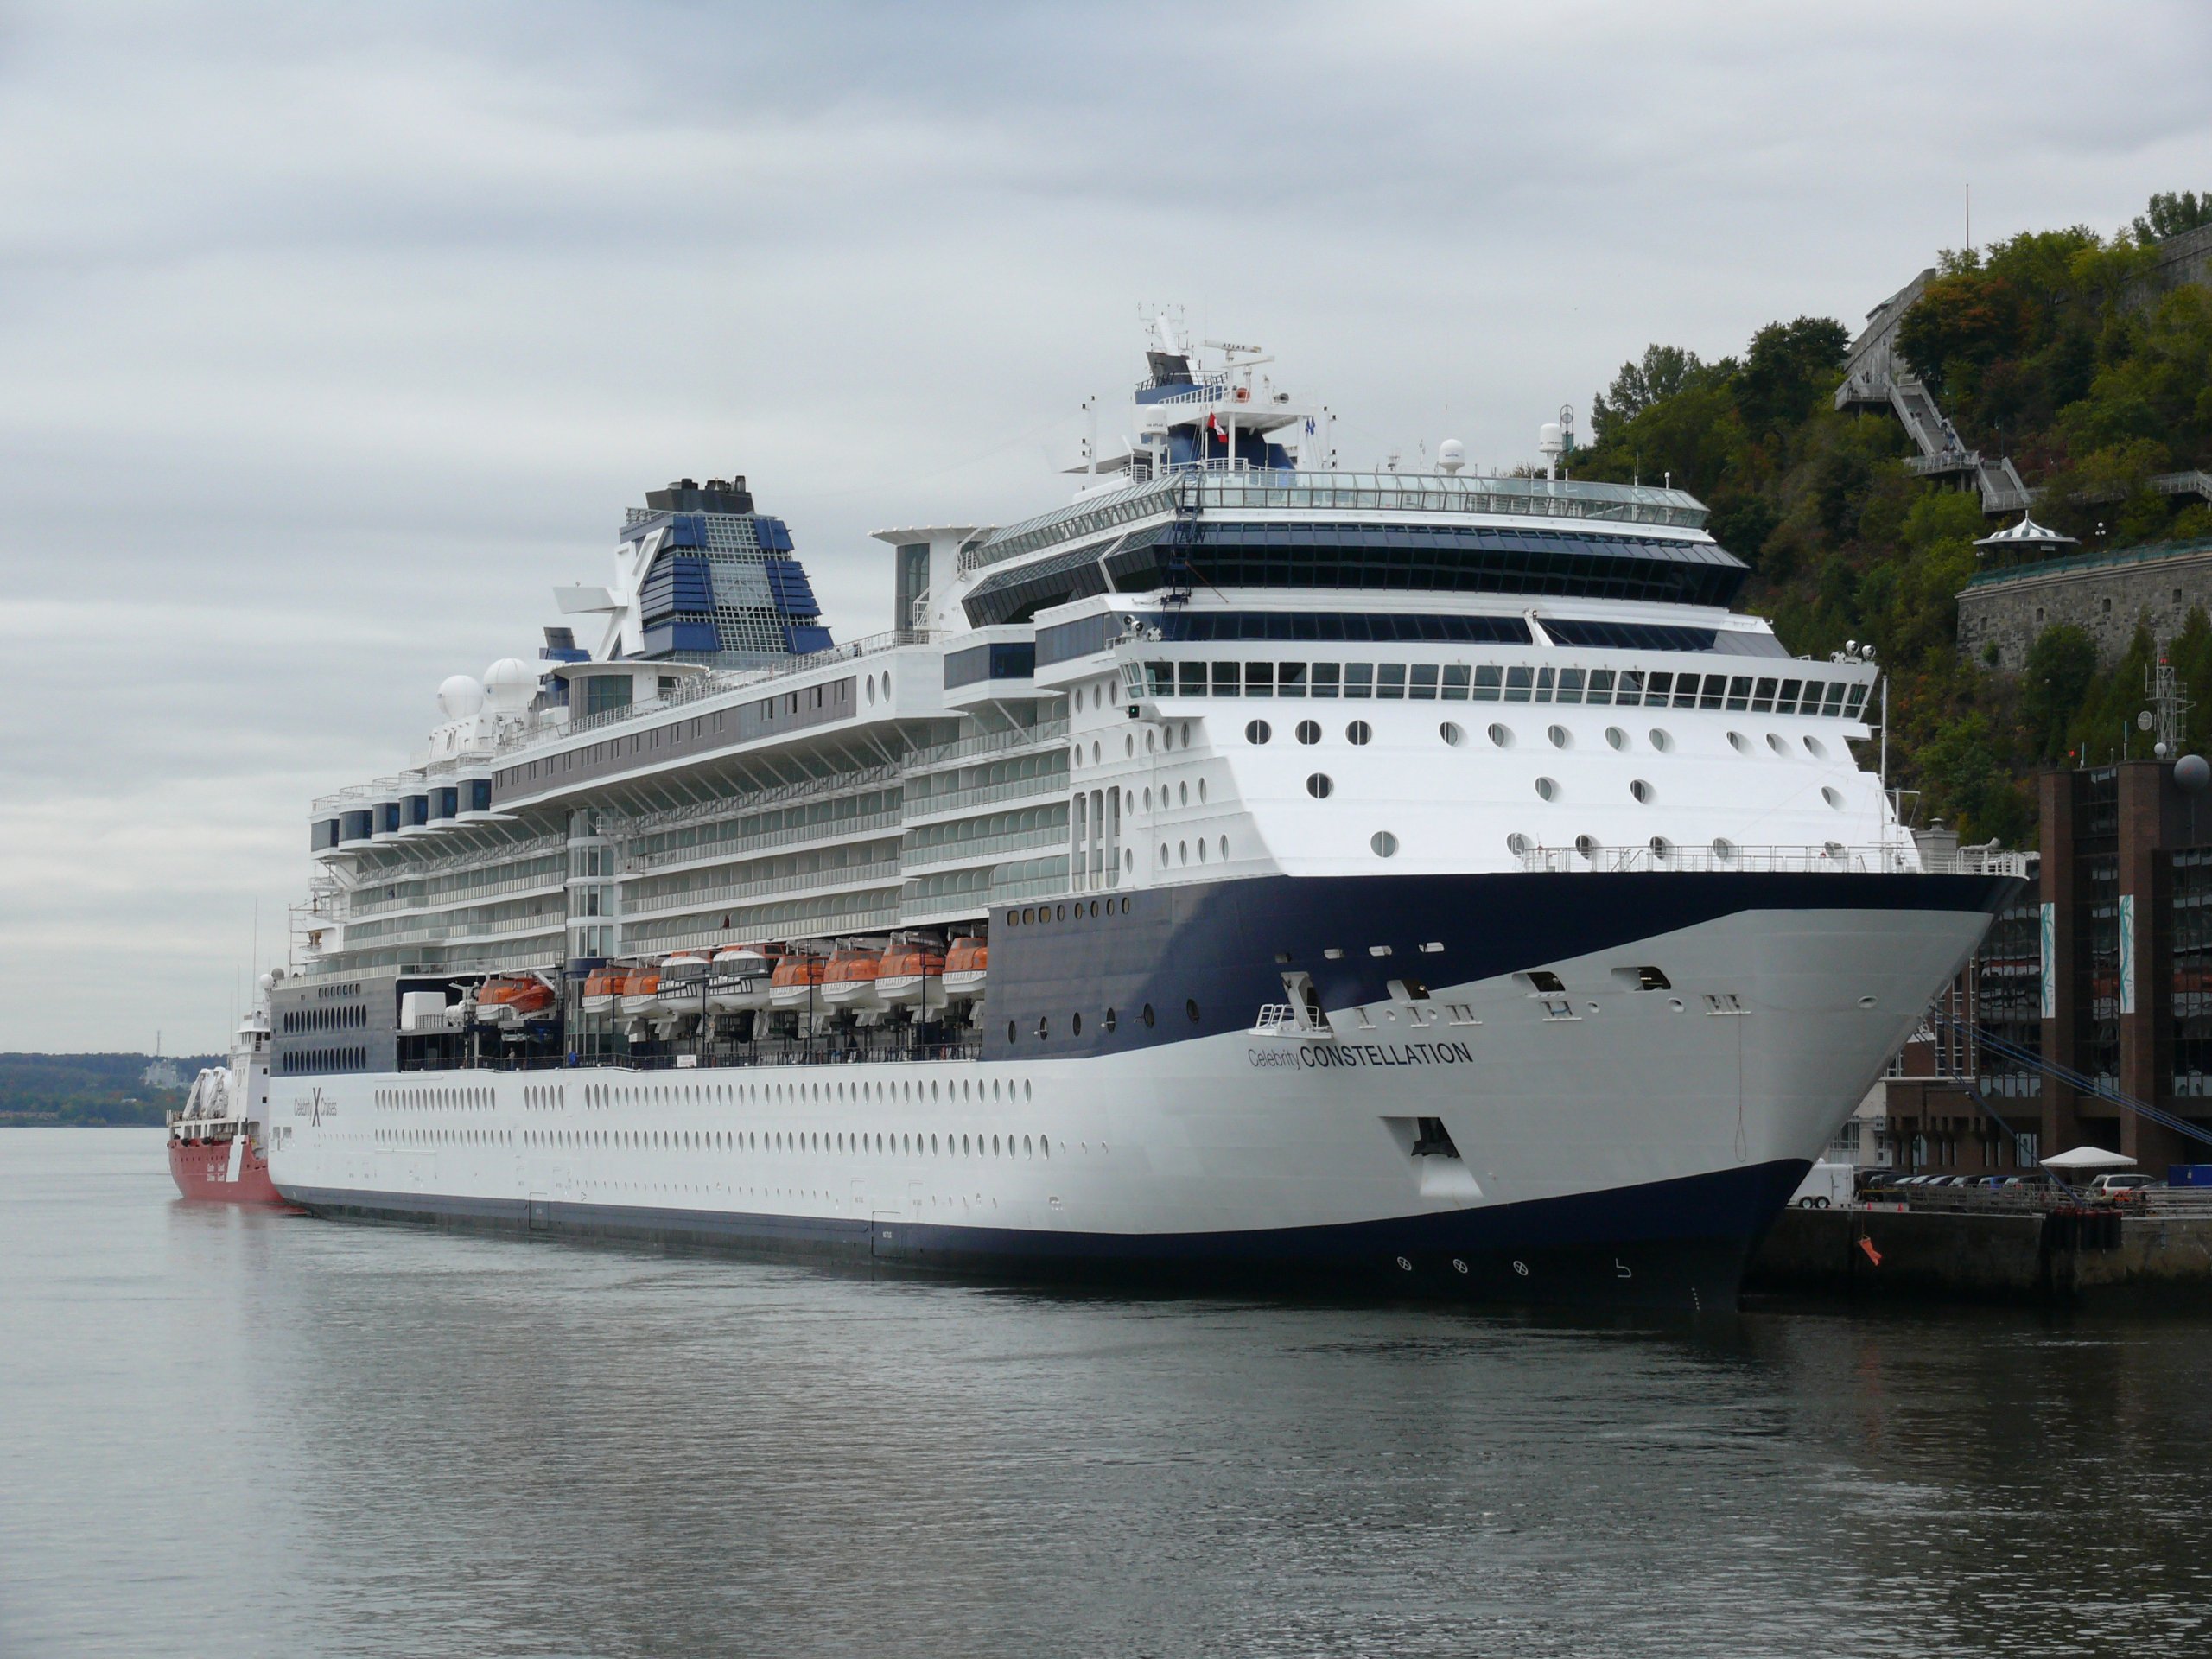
pixel 1450 734
pixel 1774 742
pixel 1384 843
pixel 1147 1015
pixel 1109 1022
pixel 1560 736
pixel 1224 679
pixel 1643 792
pixel 1325 679
pixel 1359 679
pixel 1358 733
pixel 1724 849
pixel 1501 736
pixel 1308 731
pixel 1290 679
pixel 1616 737
pixel 1258 731
pixel 1739 742
pixel 1390 681
pixel 1832 796
pixel 1422 685
pixel 1661 740
pixel 1517 843
pixel 1190 1008
pixel 1319 786
pixel 1075 1026
pixel 1010 1035
pixel 1260 680
pixel 1815 747
pixel 1548 788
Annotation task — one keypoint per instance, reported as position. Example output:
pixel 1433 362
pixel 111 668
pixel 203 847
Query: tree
pixel 1788 365
pixel 1960 325
pixel 2060 665
pixel 2170 213
pixel 1665 370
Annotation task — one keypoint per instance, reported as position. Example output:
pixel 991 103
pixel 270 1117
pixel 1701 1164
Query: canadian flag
pixel 1215 427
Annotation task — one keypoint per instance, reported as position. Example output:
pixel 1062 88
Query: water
pixel 230 1433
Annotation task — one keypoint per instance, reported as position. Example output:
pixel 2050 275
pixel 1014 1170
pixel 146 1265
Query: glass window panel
pixel 1325 679
pixel 1739 692
pixel 1543 685
pixel 1159 679
pixel 1423 683
pixel 1601 686
pixel 1390 681
pixel 1786 703
pixel 1517 683
pixel 1834 705
pixel 1225 678
pixel 1259 679
pixel 1763 697
pixel 1290 679
pixel 1856 703
pixel 1570 685
pixel 1359 679
pixel 1455 682
pixel 1191 679
pixel 1486 682
pixel 1716 691
pixel 1658 690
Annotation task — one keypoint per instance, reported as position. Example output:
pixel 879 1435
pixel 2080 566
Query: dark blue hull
pixel 1678 1244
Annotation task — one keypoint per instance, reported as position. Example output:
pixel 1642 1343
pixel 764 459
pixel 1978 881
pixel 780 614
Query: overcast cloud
pixel 333 336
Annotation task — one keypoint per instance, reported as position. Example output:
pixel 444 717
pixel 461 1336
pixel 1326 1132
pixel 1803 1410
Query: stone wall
pixel 2105 596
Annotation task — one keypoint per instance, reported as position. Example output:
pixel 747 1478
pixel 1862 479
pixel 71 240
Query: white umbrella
pixel 2087 1158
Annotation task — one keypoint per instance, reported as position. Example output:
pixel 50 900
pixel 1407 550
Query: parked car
pixel 2122 1183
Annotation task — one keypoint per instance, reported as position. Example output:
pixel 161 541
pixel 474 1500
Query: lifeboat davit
pixel 902 978
pixel 740 974
pixel 966 966
pixel 796 981
pixel 509 1000
pixel 601 986
pixel 848 982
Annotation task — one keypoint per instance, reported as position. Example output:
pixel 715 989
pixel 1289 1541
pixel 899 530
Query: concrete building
pixel 2105 594
pixel 2103 968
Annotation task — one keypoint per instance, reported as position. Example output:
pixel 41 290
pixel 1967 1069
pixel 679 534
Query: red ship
pixel 219 1148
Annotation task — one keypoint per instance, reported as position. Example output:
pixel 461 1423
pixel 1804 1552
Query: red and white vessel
pixel 219 1148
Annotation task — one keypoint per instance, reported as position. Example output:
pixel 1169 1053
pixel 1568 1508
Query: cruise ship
pixel 1415 881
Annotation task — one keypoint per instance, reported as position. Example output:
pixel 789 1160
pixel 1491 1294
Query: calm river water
pixel 233 1433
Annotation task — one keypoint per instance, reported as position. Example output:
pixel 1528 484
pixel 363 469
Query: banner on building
pixel 2045 948
pixel 2128 953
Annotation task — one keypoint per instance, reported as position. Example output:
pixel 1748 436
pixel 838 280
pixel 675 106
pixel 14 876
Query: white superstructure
pixel 1249 866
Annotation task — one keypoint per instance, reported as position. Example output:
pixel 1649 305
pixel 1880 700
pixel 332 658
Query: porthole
pixel 1130 858
pixel 1109 1022
pixel 1202 849
pixel 1586 845
pixel 1560 737
pixel 871 688
pixel 1224 847
pixel 1358 733
pixel 1044 1028
pixel 1643 792
pixel 1817 749
pixel 1501 735
pixel 1258 731
pixel 1318 787
pixel 1661 740
pixel 1616 737
pixel 1183 735
pixel 1182 852
pixel 1774 742
pixel 1190 1008
pixel 1147 742
pixel 1739 742
pixel 1147 1016
pixel 1147 797
pixel 1074 1025
pixel 1202 791
pixel 1548 788
pixel 1009 1031
pixel 1094 752
pixel 1450 732
pixel 1662 848
pixel 1163 852
pixel 1517 843
pixel 1724 849
pixel 1128 747
pixel 1183 793
pixel 1384 843
pixel 1832 796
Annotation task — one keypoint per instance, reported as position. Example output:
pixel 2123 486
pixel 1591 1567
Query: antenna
pixel 2169 705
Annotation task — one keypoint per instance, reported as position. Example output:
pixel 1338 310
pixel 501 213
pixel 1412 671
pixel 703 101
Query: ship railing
pixel 1832 858
pixel 869 875
pixel 858 782
pixel 1020 737
pixel 1202 389
pixel 887 1049
pixel 722 681
pixel 813 835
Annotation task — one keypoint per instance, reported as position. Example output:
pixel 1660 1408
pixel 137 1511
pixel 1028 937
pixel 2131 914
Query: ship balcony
pixel 828 833
pixel 931 808
pixel 844 878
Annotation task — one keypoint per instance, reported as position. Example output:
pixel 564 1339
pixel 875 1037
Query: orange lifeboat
pixel 601 986
pixel 902 978
pixel 796 981
pixel 740 975
pixel 509 999
pixel 848 982
pixel 966 966
pixel 637 989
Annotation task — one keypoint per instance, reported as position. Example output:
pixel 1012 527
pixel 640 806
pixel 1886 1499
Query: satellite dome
pixel 459 697
pixel 1452 454
pixel 2191 773
pixel 509 684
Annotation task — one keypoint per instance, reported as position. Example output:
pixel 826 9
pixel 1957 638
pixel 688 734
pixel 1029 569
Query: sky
pixel 334 337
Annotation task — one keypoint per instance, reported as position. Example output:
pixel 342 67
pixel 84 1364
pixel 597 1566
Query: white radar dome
pixel 459 697
pixel 509 684
pixel 1452 454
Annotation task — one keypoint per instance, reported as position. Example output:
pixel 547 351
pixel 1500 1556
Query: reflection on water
pixel 244 1434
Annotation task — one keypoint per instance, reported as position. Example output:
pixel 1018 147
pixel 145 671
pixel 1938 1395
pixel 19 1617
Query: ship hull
pixel 221 1172
pixel 1609 1144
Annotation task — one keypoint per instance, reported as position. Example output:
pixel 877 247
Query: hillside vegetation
pixel 2047 347
pixel 87 1089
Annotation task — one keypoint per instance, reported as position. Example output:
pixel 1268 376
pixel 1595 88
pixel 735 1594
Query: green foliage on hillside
pixel 2048 348
pixel 87 1089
